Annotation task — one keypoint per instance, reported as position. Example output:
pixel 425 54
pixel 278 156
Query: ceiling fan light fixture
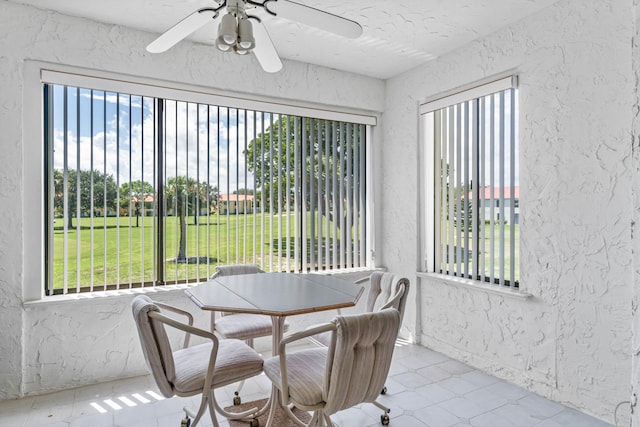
pixel 237 49
pixel 227 32
pixel 245 34
pixel 235 31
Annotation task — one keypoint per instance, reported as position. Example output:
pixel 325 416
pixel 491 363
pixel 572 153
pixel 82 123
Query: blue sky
pixel 488 165
pixel 127 128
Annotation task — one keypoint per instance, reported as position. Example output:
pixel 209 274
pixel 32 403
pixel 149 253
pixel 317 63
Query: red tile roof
pixel 236 197
pixel 147 198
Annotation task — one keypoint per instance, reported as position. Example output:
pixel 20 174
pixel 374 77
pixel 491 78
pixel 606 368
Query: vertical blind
pixel 146 191
pixel 476 184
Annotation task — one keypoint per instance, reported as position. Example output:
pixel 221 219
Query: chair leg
pixel 327 419
pixel 212 411
pixel 273 403
pixel 236 395
pixel 288 409
pixel 384 418
pixel 248 415
pixel 186 422
pixel 316 420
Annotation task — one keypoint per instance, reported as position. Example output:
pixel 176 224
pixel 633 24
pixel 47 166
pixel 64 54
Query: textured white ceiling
pixel 398 34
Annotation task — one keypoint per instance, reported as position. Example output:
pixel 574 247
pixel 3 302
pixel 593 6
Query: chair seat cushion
pixel 235 361
pixel 243 326
pixel 306 374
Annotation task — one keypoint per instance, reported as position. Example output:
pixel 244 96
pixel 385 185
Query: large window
pixel 145 191
pixel 471 182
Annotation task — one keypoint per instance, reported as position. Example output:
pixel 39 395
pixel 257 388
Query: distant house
pixel 149 204
pixel 236 203
pixel 490 197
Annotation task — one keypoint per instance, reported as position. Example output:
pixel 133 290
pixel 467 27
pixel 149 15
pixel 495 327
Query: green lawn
pixel 130 256
pixel 215 240
pixel 485 255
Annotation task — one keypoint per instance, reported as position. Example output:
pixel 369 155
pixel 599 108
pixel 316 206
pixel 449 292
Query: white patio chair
pixel 193 370
pixel 385 290
pixel 350 371
pixel 242 326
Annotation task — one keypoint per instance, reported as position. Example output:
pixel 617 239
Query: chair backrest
pixel 232 270
pixel 359 358
pixel 384 287
pixel 155 344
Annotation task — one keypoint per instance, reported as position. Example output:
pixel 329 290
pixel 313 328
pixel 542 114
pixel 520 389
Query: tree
pixel 207 195
pixel 325 160
pixel 186 195
pixel 137 190
pixel 92 183
pixel 265 160
pixel 134 195
pixel 177 193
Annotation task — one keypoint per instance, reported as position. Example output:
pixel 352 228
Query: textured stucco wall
pixel 10 239
pixel 59 345
pixel 571 341
pixel 635 307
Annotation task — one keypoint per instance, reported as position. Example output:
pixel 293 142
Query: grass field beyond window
pixel 127 250
pixel 488 256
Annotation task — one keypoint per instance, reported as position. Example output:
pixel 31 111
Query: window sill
pixel 474 284
pixel 127 293
pixel 98 295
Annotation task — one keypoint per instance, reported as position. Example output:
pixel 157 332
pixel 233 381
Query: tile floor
pixel 426 388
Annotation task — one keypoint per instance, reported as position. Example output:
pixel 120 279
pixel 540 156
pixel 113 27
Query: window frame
pixel 428 194
pixel 34 159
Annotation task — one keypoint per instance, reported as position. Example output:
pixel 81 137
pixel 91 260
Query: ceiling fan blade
pixel 181 30
pixel 264 50
pixel 315 18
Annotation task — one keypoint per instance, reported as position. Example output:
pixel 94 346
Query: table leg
pixel 276 337
pixel 276 401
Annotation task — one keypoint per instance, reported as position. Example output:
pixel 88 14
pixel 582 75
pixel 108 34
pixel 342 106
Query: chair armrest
pixel 189 329
pixel 393 301
pixel 362 280
pixel 312 330
pixel 176 310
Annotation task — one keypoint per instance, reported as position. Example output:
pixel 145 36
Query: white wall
pixel 48 346
pixel 571 341
pixel 635 372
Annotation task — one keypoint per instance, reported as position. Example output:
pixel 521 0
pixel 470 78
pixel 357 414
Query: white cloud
pixel 191 143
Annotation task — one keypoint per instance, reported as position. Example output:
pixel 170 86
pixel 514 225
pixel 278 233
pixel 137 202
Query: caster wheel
pixel 254 423
pixel 186 422
pixel 237 401
pixel 384 419
pixel 384 390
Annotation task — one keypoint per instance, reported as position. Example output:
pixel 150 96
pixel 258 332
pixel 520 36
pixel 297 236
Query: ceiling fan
pixel 237 27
